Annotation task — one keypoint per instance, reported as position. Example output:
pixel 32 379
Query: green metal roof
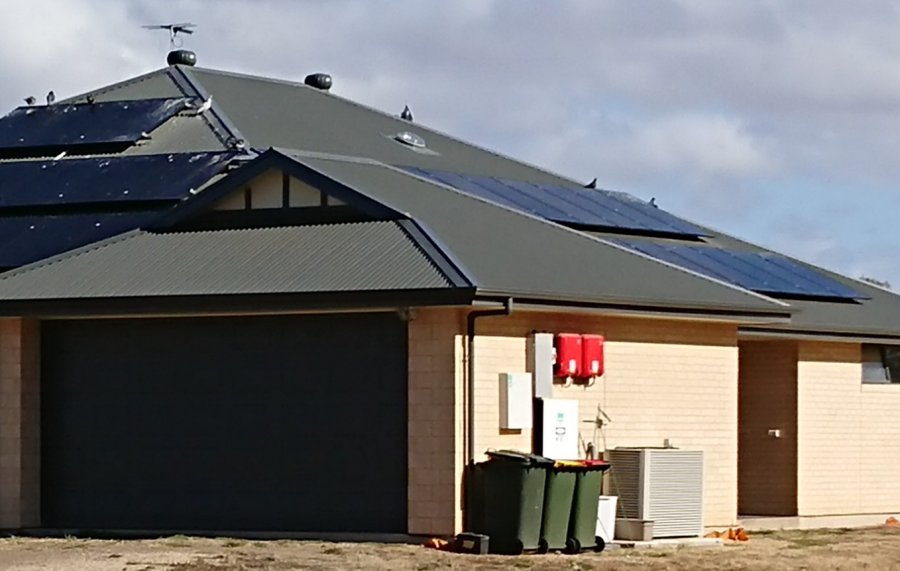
pixel 367 256
pixel 271 113
pixel 510 253
pixel 498 250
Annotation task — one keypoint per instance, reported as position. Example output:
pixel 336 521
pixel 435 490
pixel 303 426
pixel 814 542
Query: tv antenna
pixel 174 30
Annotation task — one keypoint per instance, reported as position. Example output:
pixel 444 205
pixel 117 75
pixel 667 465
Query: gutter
pixel 470 372
pixel 833 336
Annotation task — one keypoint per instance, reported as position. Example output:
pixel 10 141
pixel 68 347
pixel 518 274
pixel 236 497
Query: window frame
pixel 888 362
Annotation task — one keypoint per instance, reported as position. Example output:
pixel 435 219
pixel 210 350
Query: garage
pixel 275 423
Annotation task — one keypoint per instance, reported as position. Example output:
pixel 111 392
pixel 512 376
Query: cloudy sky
pixel 778 122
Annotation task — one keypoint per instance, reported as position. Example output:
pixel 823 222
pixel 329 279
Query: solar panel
pixel 68 125
pixel 106 179
pixel 569 205
pixel 26 239
pixel 762 272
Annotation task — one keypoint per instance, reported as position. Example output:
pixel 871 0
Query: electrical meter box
pixel 515 401
pixel 559 429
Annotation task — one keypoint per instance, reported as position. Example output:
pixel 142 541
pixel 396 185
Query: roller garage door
pixel 288 423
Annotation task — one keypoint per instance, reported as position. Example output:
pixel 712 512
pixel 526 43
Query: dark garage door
pixel 288 423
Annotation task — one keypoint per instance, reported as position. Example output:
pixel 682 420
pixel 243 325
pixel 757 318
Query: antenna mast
pixel 174 30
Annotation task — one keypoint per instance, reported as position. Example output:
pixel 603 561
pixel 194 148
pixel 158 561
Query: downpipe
pixel 470 373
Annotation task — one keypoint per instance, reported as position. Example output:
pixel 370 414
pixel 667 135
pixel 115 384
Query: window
pixel 880 364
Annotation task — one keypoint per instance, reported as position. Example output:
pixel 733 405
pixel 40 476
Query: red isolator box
pixel 568 355
pixel 592 355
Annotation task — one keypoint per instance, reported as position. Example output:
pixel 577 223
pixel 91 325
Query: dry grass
pixel 820 550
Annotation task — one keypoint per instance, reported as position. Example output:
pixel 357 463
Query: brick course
pixel 19 424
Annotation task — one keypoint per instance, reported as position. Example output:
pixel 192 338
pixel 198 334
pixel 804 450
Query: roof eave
pixel 786 332
pixel 231 304
pixel 639 308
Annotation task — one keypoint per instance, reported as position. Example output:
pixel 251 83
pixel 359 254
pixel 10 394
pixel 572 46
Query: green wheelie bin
pixel 583 518
pixel 507 500
pixel 558 494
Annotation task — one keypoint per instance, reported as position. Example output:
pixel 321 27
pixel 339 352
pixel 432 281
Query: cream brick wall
pixel 435 422
pixel 849 440
pixel 767 399
pixel 19 424
pixel 664 380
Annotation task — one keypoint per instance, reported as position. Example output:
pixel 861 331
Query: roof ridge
pixel 277 228
pixel 125 83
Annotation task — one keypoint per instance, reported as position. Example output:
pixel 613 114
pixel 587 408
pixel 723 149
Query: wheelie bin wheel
pixel 543 546
pixel 573 546
pixel 600 545
pixel 518 548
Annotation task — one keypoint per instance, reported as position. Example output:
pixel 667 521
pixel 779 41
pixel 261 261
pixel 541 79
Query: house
pixel 257 316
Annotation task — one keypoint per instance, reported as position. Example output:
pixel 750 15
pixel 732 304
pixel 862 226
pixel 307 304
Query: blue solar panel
pixel 762 272
pixel 570 205
pixel 26 239
pixel 106 179
pixel 65 125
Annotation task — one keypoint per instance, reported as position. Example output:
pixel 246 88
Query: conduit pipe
pixel 470 373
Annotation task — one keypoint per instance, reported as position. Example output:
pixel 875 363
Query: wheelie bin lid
pixel 521 457
pixel 601 465
pixel 580 465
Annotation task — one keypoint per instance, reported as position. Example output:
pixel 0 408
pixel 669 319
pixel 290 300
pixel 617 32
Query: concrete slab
pixel 669 543
pixel 238 534
pixel 766 523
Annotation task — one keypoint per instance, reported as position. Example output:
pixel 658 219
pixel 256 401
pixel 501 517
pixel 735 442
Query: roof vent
pixel 181 57
pixel 410 139
pixel 319 81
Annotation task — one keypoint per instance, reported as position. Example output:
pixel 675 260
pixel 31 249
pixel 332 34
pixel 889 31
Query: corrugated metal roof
pixel 508 252
pixel 877 315
pixel 278 113
pixel 273 113
pixel 366 256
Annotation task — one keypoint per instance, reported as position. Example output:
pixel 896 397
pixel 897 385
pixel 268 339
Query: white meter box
pixel 560 429
pixel 515 401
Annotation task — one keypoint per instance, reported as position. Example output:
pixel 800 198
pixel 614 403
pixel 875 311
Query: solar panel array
pixel 106 179
pixel 574 206
pixel 50 207
pixel 70 125
pixel 27 239
pixel 762 272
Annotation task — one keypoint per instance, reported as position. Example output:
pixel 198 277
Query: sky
pixel 776 122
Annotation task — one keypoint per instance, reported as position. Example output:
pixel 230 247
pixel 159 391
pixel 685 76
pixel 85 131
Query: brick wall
pixel 19 424
pixel 664 380
pixel 849 439
pixel 767 399
pixel 435 421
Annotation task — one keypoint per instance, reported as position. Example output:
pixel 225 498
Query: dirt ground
pixel 820 550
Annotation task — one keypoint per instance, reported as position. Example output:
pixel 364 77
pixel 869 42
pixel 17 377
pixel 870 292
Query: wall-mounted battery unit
pixel 515 401
pixel 663 485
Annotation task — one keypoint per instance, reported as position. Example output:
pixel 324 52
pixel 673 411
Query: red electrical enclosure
pixel 592 355
pixel 568 355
